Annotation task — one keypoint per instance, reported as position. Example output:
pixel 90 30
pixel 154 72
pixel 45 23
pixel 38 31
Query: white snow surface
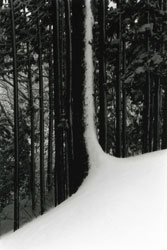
pixel 122 204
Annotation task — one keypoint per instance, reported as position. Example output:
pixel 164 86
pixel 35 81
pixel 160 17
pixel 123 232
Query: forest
pixel 43 156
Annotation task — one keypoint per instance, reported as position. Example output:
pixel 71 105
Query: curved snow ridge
pixel 121 205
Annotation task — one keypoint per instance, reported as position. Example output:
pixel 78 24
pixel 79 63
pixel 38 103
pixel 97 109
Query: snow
pixel 111 4
pixel 121 205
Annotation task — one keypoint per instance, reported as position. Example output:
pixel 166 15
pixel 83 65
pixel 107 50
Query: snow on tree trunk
pixel 92 144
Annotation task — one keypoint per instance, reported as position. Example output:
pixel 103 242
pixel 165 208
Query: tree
pixel 41 101
pixel 119 84
pixel 164 129
pixel 80 167
pixel 60 119
pixel 147 91
pixel 32 134
pixel 102 76
pixel 57 101
pixel 16 122
pixel 124 106
pixel 69 140
pixel 51 119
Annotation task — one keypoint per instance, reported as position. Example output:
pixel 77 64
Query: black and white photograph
pixel 83 124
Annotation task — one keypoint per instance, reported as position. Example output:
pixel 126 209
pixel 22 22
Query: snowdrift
pixel 122 204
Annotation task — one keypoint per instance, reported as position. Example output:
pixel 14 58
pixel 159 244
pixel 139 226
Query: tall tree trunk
pixel 102 77
pixel 80 167
pixel 156 144
pixel 57 104
pixel 69 135
pixel 164 127
pixel 50 135
pixel 157 96
pixel 119 85
pixel 124 111
pixel 32 133
pixel 16 122
pixel 147 96
pixel 152 106
pixel 62 163
pixel 41 104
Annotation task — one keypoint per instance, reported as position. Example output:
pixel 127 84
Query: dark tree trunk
pixel 164 128
pixel 156 145
pixel 152 106
pixel 147 96
pixel 102 77
pixel 61 127
pixel 56 55
pixel 119 85
pixel 69 133
pixel 164 113
pixel 16 122
pixel 41 104
pixel 157 95
pixel 124 112
pixel 32 133
pixel 50 136
pixel 58 175
pixel 80 167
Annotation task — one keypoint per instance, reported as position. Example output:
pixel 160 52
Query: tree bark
pixel 59 171
pixel 147 96
pixel 156 145
pixel 152 106
pixel 51 117
pixel 69 132
pixel 16 121
pixel 102 77
pixel 41 104
pixel 164 128
pixel 119 86
pixel 164 113
pixel 80 167
pixel 124 111
pixel 32 133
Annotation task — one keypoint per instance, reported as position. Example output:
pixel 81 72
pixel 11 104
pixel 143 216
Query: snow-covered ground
pixel 122 204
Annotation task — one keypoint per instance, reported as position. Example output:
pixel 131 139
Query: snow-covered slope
pixel 122 204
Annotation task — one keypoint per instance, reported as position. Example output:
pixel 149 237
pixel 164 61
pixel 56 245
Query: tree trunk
pixel 69 133
pixel 147 96
pixel 80 167
pixel 164 128
pixel 50 136
pixel 16 122
pixel 124 112
pixel 41 104
pixel 62 122
pixel 58 173
pixel 119 85
pixel 152 106
pixel 32 133
pixel 156 145
pixel 102 77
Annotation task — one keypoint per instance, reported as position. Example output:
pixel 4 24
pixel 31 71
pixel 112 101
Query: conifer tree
pixel 102 76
